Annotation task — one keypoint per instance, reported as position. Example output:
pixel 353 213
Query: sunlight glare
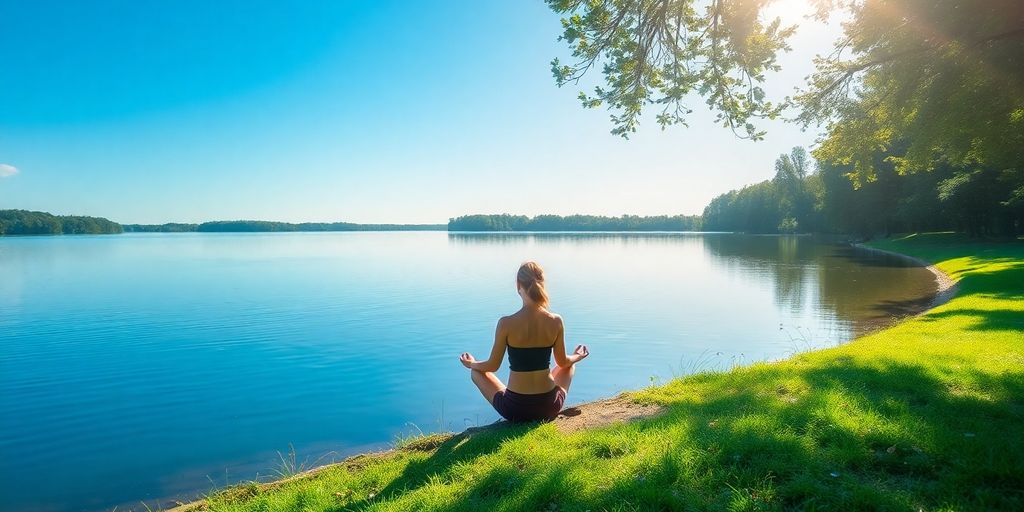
pixel 791 12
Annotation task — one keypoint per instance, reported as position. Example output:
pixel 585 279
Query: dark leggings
pixel 517 407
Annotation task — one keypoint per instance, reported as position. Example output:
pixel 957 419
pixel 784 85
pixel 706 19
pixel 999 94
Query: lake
pixel 157 366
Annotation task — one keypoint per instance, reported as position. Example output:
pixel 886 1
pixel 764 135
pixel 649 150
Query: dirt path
pixel 590 415
pixel 604 412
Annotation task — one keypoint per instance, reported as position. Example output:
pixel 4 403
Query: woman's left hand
pixel 467 360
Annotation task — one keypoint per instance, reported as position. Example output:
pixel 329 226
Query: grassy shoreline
pixel 928 414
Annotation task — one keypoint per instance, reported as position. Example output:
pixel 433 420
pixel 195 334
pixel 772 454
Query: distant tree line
pixel 256 226
pixel 506 222
pixel 170 227
pixel 24 222
pixel 979 201
pixel 235 226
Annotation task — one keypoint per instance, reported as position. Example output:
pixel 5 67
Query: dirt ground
pixel 603 412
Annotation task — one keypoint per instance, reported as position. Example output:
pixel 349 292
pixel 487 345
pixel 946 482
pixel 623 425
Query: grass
pixel 928 414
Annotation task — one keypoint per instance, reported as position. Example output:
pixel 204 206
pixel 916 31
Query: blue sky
pixel 373 111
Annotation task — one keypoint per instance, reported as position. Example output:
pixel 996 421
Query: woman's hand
pixel 580 353
pixel 467 360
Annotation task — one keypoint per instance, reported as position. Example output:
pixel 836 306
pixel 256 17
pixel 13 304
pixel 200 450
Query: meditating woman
pixel 531 336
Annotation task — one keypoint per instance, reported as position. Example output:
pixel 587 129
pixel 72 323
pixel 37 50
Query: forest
pixel 506 222
pixel 24 222
pixel 978 201
pixel 170 227
pixel 235 226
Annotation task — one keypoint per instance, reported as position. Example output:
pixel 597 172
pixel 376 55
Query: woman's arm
pixel 497 352
pixel 558 350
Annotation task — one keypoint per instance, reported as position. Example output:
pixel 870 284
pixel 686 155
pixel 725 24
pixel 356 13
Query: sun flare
pixel 791 12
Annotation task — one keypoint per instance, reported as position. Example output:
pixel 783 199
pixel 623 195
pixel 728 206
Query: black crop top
pixel 529 359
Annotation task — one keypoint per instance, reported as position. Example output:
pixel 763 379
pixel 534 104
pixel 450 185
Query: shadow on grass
pixel 839 435
pixel 985 319
pixel 446 458
pixel 1006 282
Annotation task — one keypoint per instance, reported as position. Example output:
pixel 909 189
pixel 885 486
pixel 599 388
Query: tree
pixel 930 86
pixel 658 52
pixel 784 204
pixel 944 79
pixel 944 74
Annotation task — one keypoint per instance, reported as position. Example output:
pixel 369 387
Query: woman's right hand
pixel 580 353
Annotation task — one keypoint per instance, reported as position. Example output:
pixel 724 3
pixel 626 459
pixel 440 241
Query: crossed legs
pixel 563 376
pixel 488 383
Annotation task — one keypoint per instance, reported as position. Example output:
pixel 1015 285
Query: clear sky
pixel 362 111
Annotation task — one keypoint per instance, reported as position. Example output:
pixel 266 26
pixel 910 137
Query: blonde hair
pixel 531 278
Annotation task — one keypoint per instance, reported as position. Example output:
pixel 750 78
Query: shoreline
pixel 946 286
pixel 588 415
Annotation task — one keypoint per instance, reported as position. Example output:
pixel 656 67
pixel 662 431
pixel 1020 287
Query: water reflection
pixel 559 238
pixel 858 286
pixel 863 289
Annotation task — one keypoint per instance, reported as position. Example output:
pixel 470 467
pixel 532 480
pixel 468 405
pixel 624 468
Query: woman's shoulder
pixel 555 318
pixel 510 319
pixel 522 315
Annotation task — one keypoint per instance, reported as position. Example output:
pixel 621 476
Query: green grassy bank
pixel 928 414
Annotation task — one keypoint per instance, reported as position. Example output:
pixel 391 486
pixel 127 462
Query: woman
pixel 531 336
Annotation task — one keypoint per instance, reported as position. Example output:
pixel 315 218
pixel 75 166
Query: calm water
pixel 150 366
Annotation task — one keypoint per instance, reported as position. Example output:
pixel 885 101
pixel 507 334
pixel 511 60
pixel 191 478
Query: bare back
pixel 533 328
pixel 529 328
